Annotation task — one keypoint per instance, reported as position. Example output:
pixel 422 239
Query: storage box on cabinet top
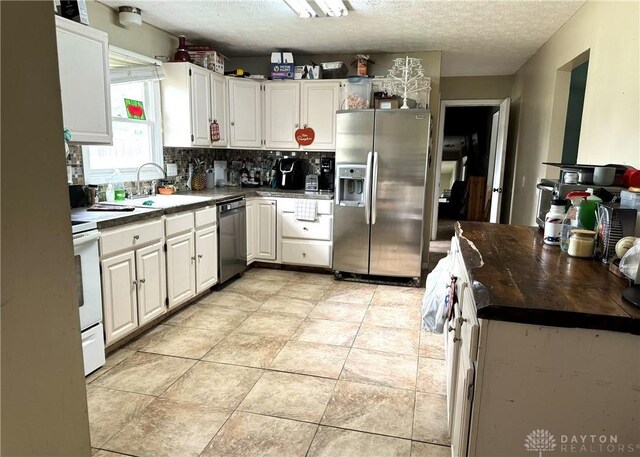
pixel 205 56
pixel 334 70
pixel 282 65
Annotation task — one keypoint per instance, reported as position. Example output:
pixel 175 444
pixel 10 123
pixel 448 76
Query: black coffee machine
pixel 327 174
pixel 291 173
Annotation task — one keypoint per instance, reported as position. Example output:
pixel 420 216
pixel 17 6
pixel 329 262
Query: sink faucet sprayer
pixel 153 188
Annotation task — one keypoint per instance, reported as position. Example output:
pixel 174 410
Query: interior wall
pixel 476 87
pixel 145 39
pixel 44 406
pixel 611 118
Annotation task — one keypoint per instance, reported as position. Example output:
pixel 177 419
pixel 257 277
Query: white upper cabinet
pixel 192 97
pixel 219 108
pixel 282 114
pixel 320 101
pixel 200 92
pixel 245 108
pixel 83 62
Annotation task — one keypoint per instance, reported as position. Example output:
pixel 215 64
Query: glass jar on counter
pixel 581 243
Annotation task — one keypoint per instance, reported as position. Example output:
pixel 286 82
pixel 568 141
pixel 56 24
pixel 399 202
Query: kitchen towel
pixel 306 210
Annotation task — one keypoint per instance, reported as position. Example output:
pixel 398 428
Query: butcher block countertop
pixel 517 278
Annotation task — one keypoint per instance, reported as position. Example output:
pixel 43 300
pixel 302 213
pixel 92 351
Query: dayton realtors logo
pixel 543 441
pixel 540 441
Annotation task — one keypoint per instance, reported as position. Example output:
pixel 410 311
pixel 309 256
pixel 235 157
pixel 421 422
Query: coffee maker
pixel 327 174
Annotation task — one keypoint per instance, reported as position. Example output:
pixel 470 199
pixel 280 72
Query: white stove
pixel 87 273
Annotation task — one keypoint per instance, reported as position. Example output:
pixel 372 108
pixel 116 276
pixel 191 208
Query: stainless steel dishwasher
pixel 232 239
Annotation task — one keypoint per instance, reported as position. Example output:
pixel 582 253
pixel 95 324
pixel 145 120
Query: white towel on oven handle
pixel 306 210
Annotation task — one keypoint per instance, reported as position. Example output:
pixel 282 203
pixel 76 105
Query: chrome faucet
pixel 164 175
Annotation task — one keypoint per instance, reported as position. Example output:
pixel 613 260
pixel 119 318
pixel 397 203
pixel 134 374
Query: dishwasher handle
pixel 230 206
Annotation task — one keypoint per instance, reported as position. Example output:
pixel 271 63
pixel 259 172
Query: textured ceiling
pixel 475 37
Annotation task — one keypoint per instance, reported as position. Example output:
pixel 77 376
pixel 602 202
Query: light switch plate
pixel 172 169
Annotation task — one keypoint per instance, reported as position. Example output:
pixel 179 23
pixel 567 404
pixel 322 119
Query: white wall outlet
pixel 172 169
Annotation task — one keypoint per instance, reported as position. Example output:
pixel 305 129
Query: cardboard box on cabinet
pixel 282 65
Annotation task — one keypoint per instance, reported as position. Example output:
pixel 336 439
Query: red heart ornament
pixel 305 136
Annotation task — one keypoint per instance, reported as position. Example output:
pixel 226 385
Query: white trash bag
pixel 436 297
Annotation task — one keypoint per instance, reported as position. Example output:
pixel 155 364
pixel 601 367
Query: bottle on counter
pixel 572 218
pixel 244 173
pixel 117 183
pixel 553 221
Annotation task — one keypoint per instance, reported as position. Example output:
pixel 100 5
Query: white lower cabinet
pixel 261 229
pixel 151 285
pixel 133 277
pixel 181 269
pixel 307 242
pixel 207 258
pixel 192 254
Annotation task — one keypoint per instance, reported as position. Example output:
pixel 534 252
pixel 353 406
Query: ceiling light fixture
pixel 129 15
pixel 333 8
pixel 302 8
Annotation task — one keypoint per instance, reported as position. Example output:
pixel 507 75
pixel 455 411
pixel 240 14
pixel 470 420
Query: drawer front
pixel 309 230
pixel 289 205
pixel 469 328
pixel 130 236
pixel 179 223
pixel 93 349
pixel 205 216
pixel 306 253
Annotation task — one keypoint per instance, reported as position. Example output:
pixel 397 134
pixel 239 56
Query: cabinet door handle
pixel 456 339
pixel 193 259
pixel 304 254
pixel 273 203
pixel 136 237
pixel 232 123
pixel 295 125
pixel 305 229
pixel 135 283
pixel 450 329
pixel 199 256
pixel 142 281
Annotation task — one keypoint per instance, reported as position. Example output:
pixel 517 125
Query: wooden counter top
pixel 521 279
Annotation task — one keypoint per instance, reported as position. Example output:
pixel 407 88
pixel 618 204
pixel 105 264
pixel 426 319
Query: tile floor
pixel 278 363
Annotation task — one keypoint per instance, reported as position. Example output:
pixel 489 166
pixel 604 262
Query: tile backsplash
pixel 253 160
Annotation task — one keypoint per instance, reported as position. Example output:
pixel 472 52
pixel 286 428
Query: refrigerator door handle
pixel 367 189
pixel 374 189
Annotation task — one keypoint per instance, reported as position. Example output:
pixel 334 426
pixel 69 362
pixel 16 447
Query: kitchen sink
pixel 161 201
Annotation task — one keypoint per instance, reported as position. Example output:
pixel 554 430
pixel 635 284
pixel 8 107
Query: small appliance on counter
pixel 311 183
pixel 291 173
pixel 326 181
pixel 220 170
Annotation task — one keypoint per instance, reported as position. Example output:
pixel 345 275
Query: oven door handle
pixel 544 187
pixel 84 238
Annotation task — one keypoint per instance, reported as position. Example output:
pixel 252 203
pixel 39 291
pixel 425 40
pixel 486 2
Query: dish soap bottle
pixel 572 218
pixel 117 183
pixel 553 221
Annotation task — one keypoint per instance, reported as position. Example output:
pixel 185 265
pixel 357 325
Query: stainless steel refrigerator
pixel 380 173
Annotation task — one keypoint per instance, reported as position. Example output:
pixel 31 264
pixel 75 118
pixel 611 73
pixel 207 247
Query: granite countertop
pixel 516 277
pixel 106 219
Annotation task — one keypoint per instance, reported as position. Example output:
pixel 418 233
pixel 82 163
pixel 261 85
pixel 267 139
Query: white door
pixel 251 230
pixel 219 107
pixel 462 406
pixel 119 296
pixel 200 92
pixel 152 289
pixel 320 101
pixel 498 168
pixel 181 269
pixel 83 64
pixel 207 258
pixel 265 247
pixel 282 114
pixel 245 107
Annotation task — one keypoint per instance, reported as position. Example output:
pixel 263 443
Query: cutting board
pixel 108 207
